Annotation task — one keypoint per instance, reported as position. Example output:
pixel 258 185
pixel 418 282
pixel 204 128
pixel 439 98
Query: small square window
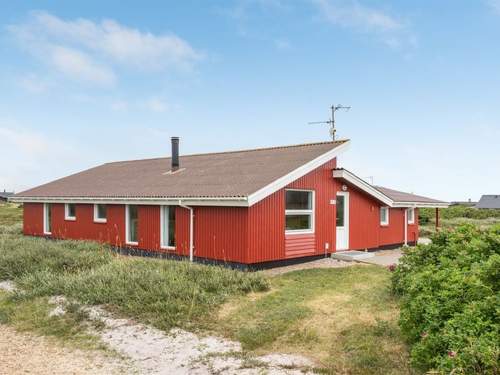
pixel 100 213
pixel 70 211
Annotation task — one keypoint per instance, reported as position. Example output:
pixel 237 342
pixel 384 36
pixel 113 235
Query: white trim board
pixel 222 201
pixel 377 194
pixel 296 174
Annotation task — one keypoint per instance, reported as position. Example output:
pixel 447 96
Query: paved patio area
pixel 385 257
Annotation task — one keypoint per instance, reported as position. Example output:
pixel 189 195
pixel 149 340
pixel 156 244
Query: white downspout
pixel 406 227
pixel 191 229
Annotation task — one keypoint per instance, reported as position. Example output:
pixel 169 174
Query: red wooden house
pixel 245 207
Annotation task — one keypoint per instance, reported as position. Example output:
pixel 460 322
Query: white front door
pixel 342 221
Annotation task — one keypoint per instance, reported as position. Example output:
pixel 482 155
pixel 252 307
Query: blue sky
pixel 82 84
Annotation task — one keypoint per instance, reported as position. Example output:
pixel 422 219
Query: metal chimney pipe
pixel 175 153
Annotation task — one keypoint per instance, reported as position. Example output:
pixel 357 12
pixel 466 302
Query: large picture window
pixel 132 224
pixel 47 218
pixel 167 221
pixel 299 211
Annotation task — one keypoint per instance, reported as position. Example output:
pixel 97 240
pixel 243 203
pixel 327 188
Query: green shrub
pixel 450 298
pixel 427 214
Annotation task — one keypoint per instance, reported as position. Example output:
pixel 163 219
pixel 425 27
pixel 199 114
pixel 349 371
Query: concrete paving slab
pixel 352 255
pixel 385 257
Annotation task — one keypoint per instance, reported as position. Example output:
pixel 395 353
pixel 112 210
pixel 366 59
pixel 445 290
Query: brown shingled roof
pixel 400 196
pixel 225 174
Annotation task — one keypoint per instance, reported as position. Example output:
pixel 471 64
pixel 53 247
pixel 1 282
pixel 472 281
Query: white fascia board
pixel 363 185
pixel 421 204
pixel 296 174
pixel 221 201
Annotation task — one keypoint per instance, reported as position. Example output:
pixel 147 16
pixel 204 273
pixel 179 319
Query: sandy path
pixel 148 351
pixel 22 353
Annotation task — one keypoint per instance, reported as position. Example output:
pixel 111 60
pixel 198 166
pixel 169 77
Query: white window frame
pixel 45 217
pixel 66 212
pixel 164 216
pixel 311 212
pixel 412 220
pixel 98 219
pixel 387 210
pixel 127 225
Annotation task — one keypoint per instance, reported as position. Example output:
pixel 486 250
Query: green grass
pixel 345 318
pixel 33 315
pixel 10 213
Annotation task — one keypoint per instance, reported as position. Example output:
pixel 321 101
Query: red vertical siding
pixel 364 219
pixel 149 227
pixel 33 219
pixel 84 227
pixel 182 230
pixel 394 232
pixel 221 233
pixel 266 227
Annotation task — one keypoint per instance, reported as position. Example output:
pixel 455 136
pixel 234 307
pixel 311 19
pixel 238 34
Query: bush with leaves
pixel 426 214
pixel 450 301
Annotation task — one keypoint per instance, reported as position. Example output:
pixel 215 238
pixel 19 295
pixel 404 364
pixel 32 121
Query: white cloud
pixel 119 105
pixel 495 5
pixel 33 84
pixel 353 14
pixel 282 44
pixel 33 156
pixel 24 141
pixel 89 49
pixel 155 104
pixel 79 66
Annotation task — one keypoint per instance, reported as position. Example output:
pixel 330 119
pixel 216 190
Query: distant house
pixel 5 195
pixel 246 207
pixel 489 201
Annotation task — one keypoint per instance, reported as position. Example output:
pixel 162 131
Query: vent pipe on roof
pixel 175 153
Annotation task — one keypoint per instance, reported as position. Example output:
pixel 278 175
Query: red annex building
pixel 245 207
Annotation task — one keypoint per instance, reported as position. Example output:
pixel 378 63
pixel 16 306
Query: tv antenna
pixel 331 122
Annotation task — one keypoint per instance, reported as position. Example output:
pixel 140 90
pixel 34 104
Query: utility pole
pixel 331 121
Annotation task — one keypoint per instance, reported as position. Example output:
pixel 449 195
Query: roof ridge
pixel 340 141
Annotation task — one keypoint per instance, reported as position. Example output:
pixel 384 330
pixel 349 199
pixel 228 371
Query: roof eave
pixel 422 204
pixel 377 194
pixel 188 201
pixel 362 185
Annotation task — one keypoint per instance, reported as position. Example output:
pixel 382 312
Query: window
pixel 384 215
pixel 167 227
pixel 131 224
pixel 47 217
pixel 69 211
pixel 100 213
pixel 411 215
pixel 299 211
pixel 340 211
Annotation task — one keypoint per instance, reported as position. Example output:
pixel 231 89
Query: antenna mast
pixel 331 122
